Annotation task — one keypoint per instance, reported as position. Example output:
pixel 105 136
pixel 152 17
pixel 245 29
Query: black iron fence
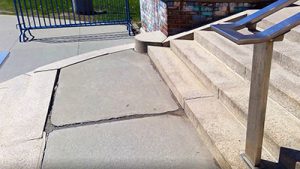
pixel 44 14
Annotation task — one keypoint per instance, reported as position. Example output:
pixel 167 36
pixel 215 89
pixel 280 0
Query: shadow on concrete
pixel 86 38
pixel 288 159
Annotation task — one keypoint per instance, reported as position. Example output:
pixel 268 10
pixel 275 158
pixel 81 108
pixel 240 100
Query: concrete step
pixel 281 128
pixel 182 82
pixel 284 85
pixel 223 134
pixel 294 34
pixel 24 106
pixel 286 54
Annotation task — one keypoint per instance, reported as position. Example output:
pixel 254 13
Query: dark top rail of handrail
pixel 230 30
pixel 264 12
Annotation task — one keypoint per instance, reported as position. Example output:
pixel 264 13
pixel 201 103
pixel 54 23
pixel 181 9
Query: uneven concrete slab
pixel 111 86
pixel 83 57
pixel 24 107
pixel 162 142
pixel 25 57
pixel 26 155
pixel 2 93
pixel 105 42
pixel 52 45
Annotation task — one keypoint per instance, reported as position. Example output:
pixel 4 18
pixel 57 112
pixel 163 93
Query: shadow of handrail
pixel 288 159
pixel 86 37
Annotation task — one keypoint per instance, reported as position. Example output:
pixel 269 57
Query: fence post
pixel 128 19
pixel 261 67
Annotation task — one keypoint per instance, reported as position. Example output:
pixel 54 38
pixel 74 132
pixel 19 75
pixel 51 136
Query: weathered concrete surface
pixel 143 40
pixel 83 57
pixel 111 86
pixel 183 83
pixel 8 32
pixel 52 45
pixel 281 127
pixel 239 58
pixel 166 142
pixel 24 107
pixel 223 134
pixel 26 155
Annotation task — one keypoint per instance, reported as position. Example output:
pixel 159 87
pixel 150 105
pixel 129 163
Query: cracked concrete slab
pixel 111 86
pixel 161 142
pixel 25 155
pixel 83 57
pixel 24 107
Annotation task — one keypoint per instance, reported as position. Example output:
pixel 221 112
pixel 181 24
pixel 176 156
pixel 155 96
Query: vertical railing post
pixel 261 67
pixel 128 19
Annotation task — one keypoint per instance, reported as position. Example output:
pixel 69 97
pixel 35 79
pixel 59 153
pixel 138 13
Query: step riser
pixel 219 128
pixel 167 76
pixel 287 62
pixel 239 113
pixel 292 35
pixel 207 140
pixel 282 98
pixel 182 82
pixel 207 82
pixel 166 79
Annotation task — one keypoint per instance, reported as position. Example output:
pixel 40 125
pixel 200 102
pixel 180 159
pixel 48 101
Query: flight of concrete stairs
pixel 210 77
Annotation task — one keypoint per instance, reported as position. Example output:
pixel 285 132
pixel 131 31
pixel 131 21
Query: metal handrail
pixel 230 30
pixel 261 68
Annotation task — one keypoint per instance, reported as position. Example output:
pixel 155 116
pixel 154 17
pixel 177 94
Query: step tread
pixel 239 58
pixel 281 127
pixel 286 53
pixel 181 80
pixel 221 131
pixel 25 106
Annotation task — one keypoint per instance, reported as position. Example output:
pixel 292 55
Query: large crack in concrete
pixel 49 127
pixel 48 121
pixel 52 127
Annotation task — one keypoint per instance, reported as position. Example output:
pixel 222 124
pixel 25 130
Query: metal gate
pixel 44 14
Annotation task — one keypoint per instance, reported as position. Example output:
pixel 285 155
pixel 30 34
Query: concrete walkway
pixel 108 108
pixel 115 112
pixel 52 45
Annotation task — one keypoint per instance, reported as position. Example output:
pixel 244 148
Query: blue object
pixel 45 14
pixel 3 56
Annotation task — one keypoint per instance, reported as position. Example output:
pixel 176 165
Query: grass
pixel 7 5
pixel 112 7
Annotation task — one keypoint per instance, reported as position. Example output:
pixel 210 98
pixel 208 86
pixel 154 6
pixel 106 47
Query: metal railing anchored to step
pixel 45 14
pixel 261 67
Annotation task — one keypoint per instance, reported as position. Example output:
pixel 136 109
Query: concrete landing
pixel 111 86
pixel 108 109
pixel 53 45
pixel 162 142
pixel 25 155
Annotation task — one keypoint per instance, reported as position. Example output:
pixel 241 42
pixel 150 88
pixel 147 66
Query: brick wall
pixel 175 16
pixel 153 15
